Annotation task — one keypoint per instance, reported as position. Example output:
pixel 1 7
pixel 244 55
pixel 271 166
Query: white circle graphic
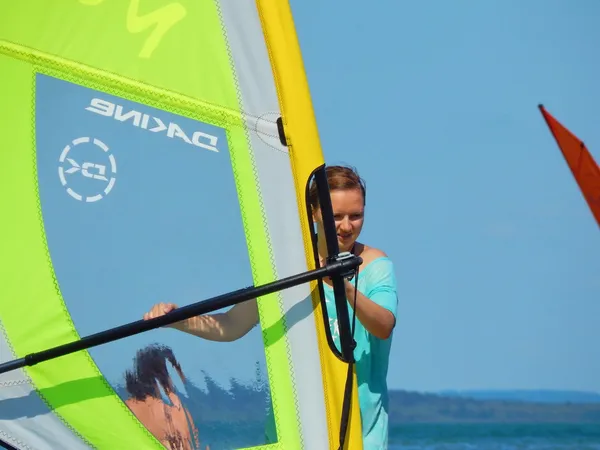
pixel 90 170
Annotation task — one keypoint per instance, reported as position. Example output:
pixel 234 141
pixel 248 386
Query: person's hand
pixel 160 309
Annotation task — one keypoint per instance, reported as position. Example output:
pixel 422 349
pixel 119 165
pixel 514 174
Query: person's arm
pixel 376 319
pixel 223 327
pixel 377 312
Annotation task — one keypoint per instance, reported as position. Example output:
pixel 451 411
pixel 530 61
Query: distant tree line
pixel 413 407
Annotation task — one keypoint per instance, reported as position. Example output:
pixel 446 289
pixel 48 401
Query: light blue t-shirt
pixel 377 282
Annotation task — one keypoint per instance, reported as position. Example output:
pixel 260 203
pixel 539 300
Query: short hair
pixel 339 178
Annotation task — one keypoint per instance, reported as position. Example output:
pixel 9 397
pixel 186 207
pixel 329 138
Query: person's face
pixel 348 212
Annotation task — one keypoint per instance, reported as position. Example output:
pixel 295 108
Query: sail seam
pixel 29 381
pixel 14 440
pixel 276 82
pixel 253 248
pixel 91 363
pixel 11 383
pixel 289 141
pixel 48 257
pixel 132 87
pixel 14 383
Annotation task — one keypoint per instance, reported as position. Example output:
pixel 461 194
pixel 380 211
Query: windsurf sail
pixel 160 151
pixel 584 168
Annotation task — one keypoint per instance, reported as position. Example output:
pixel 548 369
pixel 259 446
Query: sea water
pixel 495 437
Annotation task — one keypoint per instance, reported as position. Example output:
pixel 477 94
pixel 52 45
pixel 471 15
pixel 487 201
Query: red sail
pixel 580 161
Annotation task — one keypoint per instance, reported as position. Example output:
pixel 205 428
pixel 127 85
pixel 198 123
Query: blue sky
pixel 497 253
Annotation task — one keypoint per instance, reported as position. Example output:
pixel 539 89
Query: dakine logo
pixel 100 182
pixel 152 123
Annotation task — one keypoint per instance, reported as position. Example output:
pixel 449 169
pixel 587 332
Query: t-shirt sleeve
pixel 381 284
